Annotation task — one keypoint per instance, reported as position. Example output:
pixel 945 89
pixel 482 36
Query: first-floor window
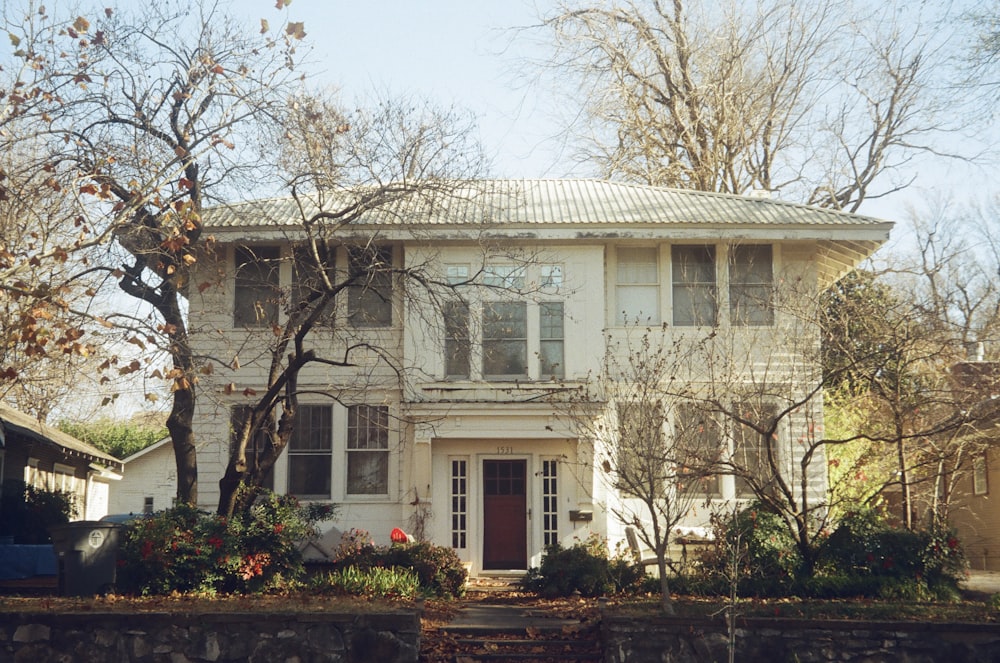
pixel 256 445
pixel 980 475
pixel 697 450
pixel 368 450
pixel 550 503
pixel 459 502
pixel 505 339
pixel 753 451
pixel 310 452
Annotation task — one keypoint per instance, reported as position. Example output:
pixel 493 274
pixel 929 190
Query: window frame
pixel 706 472
pixel 311 454
pixel 263 288
pixel 551 338
pixel 457 340
pixel 746 309
pixel 629 279
pixel 741 483
pixel 238 414
pixel 379 425
pixel 980 475
pixel 305 272
pixel 371 287
pixel 694 291
pixel 493 322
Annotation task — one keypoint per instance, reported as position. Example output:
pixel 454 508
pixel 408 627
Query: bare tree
pixel 402 161
pixel 654 443
pixel 821 102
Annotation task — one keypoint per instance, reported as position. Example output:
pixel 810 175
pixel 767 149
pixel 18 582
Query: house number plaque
pixel 505 451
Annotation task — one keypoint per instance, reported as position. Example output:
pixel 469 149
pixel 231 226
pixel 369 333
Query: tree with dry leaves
pixel 150 114
pixel 822 103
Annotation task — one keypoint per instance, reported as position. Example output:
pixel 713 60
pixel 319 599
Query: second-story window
pixel 751 283
pixel 456 339
pixel 551 340
pixel 369 300
pixel 694 290
pixel 308 283
pixel 257 281
pixel 638 285
pixel 505 339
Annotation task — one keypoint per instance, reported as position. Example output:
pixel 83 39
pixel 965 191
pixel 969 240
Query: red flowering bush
pixel 186 550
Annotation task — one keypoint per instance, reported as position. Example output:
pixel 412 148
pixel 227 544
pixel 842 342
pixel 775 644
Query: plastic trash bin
pixel 87 554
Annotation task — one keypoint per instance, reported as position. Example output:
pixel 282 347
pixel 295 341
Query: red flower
pixel 952 542
pixel 147 549
pixel 278 527
pixel 215 542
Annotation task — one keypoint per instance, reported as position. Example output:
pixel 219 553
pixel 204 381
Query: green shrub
pixel 438 568
pixel 186 550
pixel 584 567
pixel 375 582
pixel 26 512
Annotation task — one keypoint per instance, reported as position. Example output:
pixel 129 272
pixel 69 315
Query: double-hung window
pixel 257 283
pixel 638 285
pixel 980 475
pixel 505 339
pixel 694 289
pixel 752 450
pixel 368 450
pixel 456 339
pixel 751 285
pixel 642 459
pixel 697 450
pixel 310 453
pixel 507 277
pixel 369 299
pixel 551 339
pixel 310 278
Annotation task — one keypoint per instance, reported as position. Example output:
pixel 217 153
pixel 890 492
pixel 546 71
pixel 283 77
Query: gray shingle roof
pixel 18 422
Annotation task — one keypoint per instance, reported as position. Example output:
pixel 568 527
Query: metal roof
pixel 507 203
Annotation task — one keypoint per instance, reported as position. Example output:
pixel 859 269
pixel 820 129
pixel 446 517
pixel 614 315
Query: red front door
pixel 505 512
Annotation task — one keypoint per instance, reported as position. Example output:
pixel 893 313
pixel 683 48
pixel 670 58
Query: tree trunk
pixel 904 483
pixel 181 418
pixel 666 603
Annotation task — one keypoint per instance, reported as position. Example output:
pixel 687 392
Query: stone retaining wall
pixel 680 640
pixel 188 638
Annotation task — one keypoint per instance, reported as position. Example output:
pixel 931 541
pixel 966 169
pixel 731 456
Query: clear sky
pixel 453 51
pixel 469 52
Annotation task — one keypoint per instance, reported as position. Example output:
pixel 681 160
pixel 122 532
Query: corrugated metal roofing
pixel 530 202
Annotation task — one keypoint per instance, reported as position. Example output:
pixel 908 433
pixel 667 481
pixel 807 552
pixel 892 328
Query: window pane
pixel 369 300
pixel 310 453
pixel 697 450
pixel 551 339
pixel 368 450
pixel 638 290
pixel 456 342
pixel 457 274
pixel 751 452
pixel 694 290
pixel 551 276
pixel 307 278
pixel 751 285
pixel 505 339
pixel 504 276
pixel 257 295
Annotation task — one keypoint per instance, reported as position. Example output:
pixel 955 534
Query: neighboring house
pixel 44 457
pixel 149 483
pixel 974 511
pixel 466 443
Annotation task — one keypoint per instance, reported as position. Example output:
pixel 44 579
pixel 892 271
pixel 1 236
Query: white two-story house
pixel 449 422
